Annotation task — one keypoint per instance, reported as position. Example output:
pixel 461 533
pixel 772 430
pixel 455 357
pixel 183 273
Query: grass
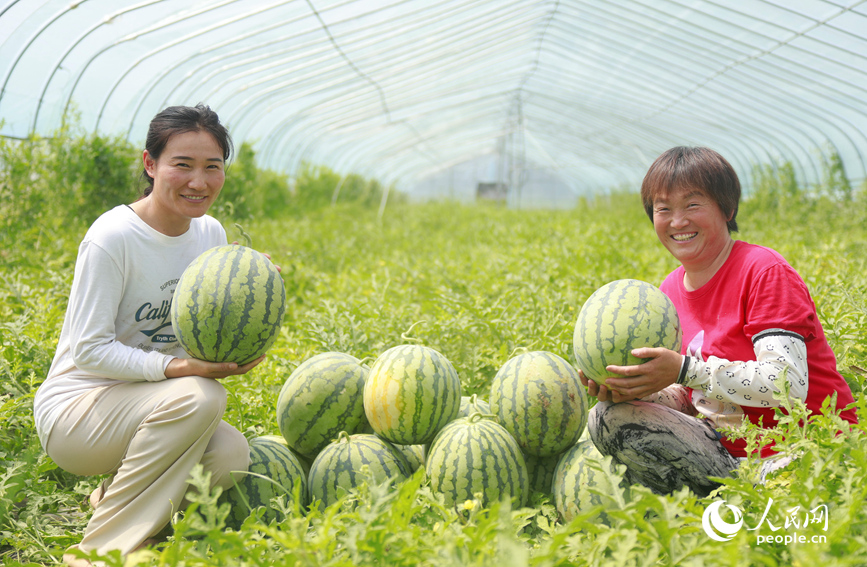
pixel 479 284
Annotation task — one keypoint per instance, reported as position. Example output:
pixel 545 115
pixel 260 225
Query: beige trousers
pixel 150 435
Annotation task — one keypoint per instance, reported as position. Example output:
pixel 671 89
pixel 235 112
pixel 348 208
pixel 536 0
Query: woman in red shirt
pixel 748 322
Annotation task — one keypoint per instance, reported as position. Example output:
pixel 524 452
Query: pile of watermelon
pixel 343 424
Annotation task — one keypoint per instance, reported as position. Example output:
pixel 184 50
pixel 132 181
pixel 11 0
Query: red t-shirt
pixel 754 290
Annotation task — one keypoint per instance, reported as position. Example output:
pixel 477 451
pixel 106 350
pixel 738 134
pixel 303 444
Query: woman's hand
pixel 641 380
pixel 194 367
pixel 595 389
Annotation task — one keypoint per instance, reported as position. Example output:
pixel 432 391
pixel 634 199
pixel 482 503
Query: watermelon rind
pixel 412 391
pixel 228 305
pixel 274 471
pixel 350 461
pixel 472 458
pixel 473 404
pixel 618 317
pixel 539 398
pixel 320 398
pixel 583 479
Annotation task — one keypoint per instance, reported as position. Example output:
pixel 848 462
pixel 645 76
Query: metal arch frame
pixel 805 152
pixel 258 46
pixel 132 37
pixel 228 22
pixel 75 44
pixel 248 106
pixel 33 38
pixel 795 64
pixel 637 91
pixel 184 61
pixel 247 103
pixel 829 123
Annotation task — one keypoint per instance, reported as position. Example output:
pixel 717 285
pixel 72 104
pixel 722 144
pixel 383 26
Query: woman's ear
pixel 149 163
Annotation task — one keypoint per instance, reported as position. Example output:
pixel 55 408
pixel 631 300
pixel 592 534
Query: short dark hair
pixel 695 168
pixel 177 120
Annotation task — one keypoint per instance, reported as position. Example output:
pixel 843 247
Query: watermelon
pixel 473 404
pixel 228 305
pixel 272 459
pixel 473 456
pixel 411 393
pixel 618 317
pixel 540 472
pixel 349 461
pixel 539 398
pixel 321 398
pixel 579 481
pixel 414 455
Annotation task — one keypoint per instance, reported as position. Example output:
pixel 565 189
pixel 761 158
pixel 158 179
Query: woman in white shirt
pixel 122 398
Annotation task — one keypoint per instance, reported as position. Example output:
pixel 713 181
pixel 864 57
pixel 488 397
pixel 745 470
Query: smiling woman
pixel 749 326
pixel 122 398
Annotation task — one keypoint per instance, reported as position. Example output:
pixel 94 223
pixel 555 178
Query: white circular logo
pixel 717 528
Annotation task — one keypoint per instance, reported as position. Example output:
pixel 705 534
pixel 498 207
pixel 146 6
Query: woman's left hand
pixel 641 380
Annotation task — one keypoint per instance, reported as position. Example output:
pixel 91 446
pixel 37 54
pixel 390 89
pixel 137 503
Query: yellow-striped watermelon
pixel 321 398
pixel 618 317
pixel 473 455
pixel 228 305
pixel 411 393
pixel 539 398
pixel 350 460
pixel 274 470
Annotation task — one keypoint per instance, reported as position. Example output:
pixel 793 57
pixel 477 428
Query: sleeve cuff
pixel 155 366
pixel 681 378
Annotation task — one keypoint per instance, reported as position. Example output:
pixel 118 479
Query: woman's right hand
pixel 599 391
pixel 179 367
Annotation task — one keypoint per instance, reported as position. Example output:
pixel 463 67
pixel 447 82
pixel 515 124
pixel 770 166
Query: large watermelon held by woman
pixel 539 398
pixel 411 393
pixel 350 460
pixel 475 455
pixel 274 470
pixel 228 305
pixel 618 317
pixel 321 398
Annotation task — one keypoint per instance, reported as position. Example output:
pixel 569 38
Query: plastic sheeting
pixel 427 94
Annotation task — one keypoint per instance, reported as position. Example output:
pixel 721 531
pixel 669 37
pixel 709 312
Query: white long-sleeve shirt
pixel 118 323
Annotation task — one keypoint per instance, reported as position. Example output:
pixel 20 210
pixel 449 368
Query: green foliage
pixel 252 192
pixel 46 183
pixel 319 186
pixel 478 284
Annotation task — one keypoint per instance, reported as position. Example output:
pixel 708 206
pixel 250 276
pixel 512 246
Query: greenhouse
pixel 550 99
pixel 433 282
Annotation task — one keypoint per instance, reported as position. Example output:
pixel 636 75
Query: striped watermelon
pixel 411 393
pixel 228 305
pixel 351 460
pixel 540 471
pixel 270 458
pixel 321 398
pixel 618 317
pixel 580 482
pixel 414 455
pixel 473 455
pixel 473 404
pixel 539 398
